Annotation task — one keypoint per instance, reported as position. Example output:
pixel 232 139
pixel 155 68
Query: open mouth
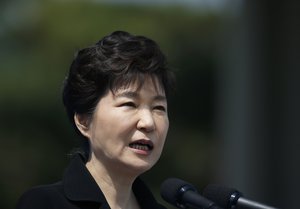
pixel 145 145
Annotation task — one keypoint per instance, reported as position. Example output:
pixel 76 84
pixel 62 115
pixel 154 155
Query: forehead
pixel 151 83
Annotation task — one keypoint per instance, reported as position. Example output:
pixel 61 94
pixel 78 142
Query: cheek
pixel 102 128
pixel 163 129
pixel 166 124
pixel 119 128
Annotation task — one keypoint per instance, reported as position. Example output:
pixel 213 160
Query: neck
pixel 116 188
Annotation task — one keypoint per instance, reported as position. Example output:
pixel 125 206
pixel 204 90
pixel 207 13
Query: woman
pixel 116 97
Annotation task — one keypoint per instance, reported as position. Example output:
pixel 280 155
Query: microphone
pixel 230 198
pixel 183 195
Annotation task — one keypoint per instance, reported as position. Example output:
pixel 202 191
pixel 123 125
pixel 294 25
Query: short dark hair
pixel 116 60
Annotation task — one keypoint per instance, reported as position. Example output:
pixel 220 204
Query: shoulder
pixel 41 197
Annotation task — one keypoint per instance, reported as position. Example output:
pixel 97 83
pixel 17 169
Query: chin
pixel 140 168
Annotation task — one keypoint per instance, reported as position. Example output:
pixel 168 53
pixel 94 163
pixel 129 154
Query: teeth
pixel 140 147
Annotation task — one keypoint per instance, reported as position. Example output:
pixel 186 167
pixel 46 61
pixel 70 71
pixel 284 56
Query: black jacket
pixel 79 190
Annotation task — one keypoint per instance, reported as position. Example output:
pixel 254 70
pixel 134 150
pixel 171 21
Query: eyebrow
pixel 135 95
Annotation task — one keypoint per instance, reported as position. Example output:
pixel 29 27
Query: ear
pixel 82 122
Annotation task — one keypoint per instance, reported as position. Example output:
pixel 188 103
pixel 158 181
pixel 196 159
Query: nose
pixel 146 121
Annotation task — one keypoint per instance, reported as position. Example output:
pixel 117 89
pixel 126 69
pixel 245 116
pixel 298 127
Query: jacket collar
pixel 144 196
pixel 78 183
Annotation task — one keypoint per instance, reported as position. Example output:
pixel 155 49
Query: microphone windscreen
pixel 170 190
pixel 219 194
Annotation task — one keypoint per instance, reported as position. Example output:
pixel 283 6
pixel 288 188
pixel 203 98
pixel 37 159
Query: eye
pixel 160 108
pixel 128 104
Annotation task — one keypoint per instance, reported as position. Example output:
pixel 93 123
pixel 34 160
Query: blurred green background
pixel 233 118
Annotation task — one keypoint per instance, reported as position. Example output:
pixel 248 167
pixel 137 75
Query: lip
pixel 142 146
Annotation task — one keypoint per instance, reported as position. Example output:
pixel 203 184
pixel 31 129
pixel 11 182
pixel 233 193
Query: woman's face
pixel 129 127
